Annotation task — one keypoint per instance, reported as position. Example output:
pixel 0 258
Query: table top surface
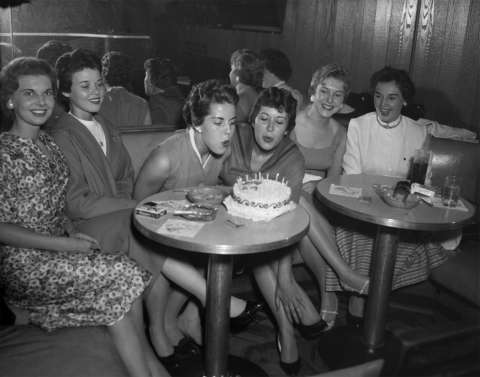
pixel 376 211
pixel 222 236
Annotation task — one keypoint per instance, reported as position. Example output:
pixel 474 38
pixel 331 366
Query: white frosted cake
pixel 259 198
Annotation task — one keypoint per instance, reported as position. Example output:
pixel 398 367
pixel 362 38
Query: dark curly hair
pixel 277 63
pixel 248 66
pixel 116 69
pixel 399 77
pixel 326 71
pixel 52 50
pixel 202 95
pixel 9 81
pixel 70 63
pixel 279 99
pixel 161 69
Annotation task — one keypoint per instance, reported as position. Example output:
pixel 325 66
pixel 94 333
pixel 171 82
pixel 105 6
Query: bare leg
pixel 189 322
pixel 154 365
pixel 329 304
pixel 156 301
pixel 176 300
pixel 190 279
pixel 356 305
pixel 131 348
pixel 321 234
pixel 267 282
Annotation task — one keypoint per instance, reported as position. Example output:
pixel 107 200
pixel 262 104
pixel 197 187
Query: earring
pixel 404 104
pixel 10 105
pixel 312 98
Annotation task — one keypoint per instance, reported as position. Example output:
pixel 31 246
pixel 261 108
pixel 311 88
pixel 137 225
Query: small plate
pixel 386 194
pixel 206 195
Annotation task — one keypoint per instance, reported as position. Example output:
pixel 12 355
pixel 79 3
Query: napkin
pixel 182 228
pixel 348 191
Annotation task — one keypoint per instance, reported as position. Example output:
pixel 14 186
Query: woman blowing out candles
pixel 263 147
pixel 188 158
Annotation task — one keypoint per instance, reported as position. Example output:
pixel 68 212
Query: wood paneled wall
pixel 437 41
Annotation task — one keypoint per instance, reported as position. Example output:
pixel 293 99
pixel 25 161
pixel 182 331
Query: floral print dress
pixel 58 289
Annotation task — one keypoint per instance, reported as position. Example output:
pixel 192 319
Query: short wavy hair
pixel 52 50
pixel 326 71
pixel 202 95
pixel 9 76
pixel 116 68
pixel 277 63
pixel 70 63
pixel 277 98
pixel 248 66
pixel 160 69
pixel 399 76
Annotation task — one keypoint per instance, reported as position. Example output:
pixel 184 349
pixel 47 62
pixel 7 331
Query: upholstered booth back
pixel 460 274
pixel 460 158
pixel 140 141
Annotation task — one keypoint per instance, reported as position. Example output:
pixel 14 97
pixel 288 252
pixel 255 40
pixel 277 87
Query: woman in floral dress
pixel 58 276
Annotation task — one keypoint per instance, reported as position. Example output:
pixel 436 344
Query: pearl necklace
pixel 389 125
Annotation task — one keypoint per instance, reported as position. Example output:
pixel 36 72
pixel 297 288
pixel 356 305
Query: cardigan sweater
pixel 99 183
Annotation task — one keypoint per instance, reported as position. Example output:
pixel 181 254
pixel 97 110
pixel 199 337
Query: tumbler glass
pixel 450 191
pixel 418 169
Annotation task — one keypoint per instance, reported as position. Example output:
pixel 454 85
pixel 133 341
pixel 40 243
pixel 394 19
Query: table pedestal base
pixel 237 366
pixel 344 347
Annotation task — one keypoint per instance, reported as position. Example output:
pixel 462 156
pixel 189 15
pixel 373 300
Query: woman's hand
pixel 83 243
pixel 288 294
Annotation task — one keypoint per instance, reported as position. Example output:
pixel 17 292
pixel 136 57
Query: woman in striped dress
pixel 383 142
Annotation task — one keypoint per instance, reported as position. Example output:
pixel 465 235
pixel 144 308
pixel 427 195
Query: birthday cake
pixel 259 198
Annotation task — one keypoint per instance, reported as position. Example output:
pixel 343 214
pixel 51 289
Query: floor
pixel 418 331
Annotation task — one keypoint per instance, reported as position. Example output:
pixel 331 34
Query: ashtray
pixel 197 212
pixel 386 194
pixel 209 195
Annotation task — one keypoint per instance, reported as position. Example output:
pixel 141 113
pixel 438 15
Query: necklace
pixel 389 125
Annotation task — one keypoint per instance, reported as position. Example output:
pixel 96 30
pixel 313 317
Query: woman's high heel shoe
pixel 241 321
pixel 330 322
pixel 310 332
pixel 290 369
pixel 362 291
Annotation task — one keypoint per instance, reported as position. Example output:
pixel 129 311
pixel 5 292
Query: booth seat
pixel 460 274
pixel 28 351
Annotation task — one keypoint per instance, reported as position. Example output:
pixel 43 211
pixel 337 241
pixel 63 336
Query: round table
pixel 371 208
pixel 221 239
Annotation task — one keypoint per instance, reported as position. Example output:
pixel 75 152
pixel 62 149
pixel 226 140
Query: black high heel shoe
pixel 354 320
pixel 310 332
pixel 186 348
pixel 290 369
pixel 241 321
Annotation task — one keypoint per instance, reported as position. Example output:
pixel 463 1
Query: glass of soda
pixel 418 169
pixel 450 191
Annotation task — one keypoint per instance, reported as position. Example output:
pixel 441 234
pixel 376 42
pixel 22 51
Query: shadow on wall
pixel 439 107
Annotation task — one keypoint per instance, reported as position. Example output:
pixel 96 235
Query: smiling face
pixel 388 101
pixel 216 128
pixel 33 101
pixel 86 93
pixel 270 127
pixel 329 96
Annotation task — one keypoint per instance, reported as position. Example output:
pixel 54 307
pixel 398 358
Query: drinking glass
pixel 450 191
pixel 418 170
